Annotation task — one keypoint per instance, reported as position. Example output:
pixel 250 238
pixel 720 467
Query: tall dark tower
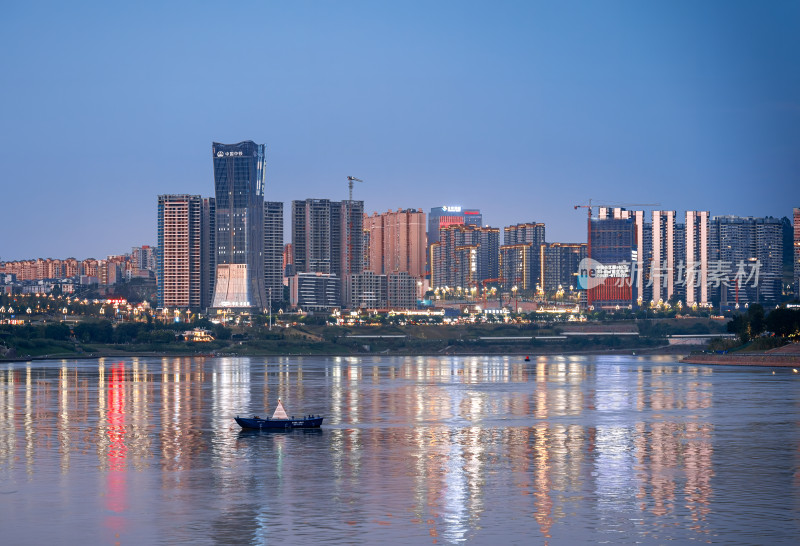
pixel 239 172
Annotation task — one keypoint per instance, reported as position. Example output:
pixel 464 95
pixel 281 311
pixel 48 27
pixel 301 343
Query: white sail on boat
pixel 280 413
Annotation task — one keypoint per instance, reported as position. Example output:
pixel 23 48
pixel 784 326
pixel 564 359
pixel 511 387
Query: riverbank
pixel 634 351
pixel 787 356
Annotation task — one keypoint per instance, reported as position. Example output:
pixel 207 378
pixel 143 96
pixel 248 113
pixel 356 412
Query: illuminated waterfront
pixel 417 450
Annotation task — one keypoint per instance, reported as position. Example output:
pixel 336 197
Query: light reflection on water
pixel 413 450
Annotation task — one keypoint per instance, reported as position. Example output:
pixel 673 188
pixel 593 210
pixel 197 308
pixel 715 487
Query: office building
pixel 179 266
pixel 397 241
pixel 273 250
pixel 239 176
pixel 316 292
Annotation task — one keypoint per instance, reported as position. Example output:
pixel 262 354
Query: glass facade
pixel 239 173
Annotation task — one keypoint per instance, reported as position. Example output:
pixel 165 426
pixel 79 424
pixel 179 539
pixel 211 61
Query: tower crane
pixel 350 180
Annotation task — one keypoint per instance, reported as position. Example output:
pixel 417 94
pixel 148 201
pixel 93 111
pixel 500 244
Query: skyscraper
pixel 273 250
pixel 180 243
pixel 239 172
pixel 796 218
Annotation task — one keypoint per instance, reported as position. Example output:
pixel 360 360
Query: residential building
pixel 745 260
pixel 366 290
pixel 403 290
pixel 273 250
pixel 208 250
pixel 465 256
pixel 397 241
pixel 612 251
pixel 696 250
pixel 559 263
pixel 327 237
pixel 796 223
pixel 179 268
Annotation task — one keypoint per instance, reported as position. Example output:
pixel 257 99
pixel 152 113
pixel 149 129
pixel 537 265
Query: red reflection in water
pixel 116 498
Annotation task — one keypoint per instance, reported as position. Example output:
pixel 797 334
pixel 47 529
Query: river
pixel 413 450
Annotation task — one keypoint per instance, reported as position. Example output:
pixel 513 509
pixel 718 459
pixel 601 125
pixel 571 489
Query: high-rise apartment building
pixel 519 234
pixel 396 241
pixel 347 230
pixel 745 259
pixel 559 263
pixel 612 251
pixel 519 266
pixel 796 221
pixel 208 250
pixel 179 269
pixel 144 257
pixel 327 237
pixel 273 250
pixel 696 250
pixel 311 236
pixel 465 256
pixel 663 264
pixel 402 290
pixel 452 215
pixel 520 255
pixel 239 176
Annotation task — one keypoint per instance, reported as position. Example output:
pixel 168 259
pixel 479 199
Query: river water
pixel 413 450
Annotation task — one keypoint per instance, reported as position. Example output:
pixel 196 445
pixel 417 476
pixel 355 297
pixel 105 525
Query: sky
pixel 522 109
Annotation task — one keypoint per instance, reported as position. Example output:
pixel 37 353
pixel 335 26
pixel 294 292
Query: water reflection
pixel 450 449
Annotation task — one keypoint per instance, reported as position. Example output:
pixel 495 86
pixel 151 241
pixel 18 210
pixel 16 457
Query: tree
pixel 755 316
pixel 784 322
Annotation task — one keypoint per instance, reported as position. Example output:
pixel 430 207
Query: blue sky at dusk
pixel 521 109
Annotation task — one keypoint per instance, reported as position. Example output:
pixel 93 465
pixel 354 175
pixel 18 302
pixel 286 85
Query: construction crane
pixel 350 180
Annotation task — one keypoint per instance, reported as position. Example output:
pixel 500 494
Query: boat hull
pixel 256 423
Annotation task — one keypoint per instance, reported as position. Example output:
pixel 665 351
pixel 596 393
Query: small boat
pixel 527 359
pixel 279 421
